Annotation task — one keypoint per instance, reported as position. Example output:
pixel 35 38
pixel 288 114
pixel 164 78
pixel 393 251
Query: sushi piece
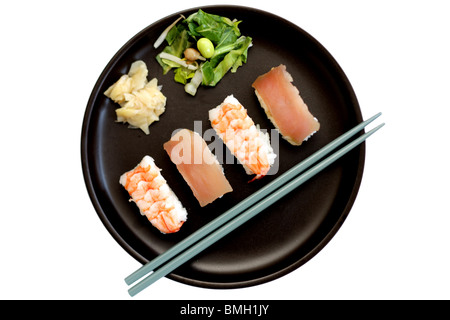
pixel 153 196
pixel 243 138
pixel 198 166
pixel 284 106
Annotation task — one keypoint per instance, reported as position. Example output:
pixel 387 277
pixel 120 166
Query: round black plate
pixel 279 239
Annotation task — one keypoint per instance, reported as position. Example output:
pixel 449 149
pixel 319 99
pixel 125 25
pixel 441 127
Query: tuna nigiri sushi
pixel 198 166
pixel 284 106
pixel 245 140
pixel 153 196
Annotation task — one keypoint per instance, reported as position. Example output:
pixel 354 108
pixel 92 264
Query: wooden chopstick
pixel 236 216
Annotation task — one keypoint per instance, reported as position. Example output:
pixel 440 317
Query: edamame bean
pixel 206 47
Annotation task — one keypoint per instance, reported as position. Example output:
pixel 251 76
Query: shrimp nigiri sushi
pixel 284 106
pixel 153 196
pixel 198 166
pixel 243 138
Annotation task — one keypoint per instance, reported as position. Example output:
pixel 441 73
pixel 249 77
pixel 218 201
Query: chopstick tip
pixel 377 115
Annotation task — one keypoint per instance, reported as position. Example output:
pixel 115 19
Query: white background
pixel 393 245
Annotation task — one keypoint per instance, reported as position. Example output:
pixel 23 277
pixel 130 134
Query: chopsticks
pixel 245 210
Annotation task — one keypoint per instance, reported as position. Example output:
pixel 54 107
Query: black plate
pixel 279 239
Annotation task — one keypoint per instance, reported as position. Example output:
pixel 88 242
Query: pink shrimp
pixel 244 139
pixel 153 196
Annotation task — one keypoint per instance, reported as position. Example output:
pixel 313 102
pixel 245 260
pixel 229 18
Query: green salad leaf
pixel 213 27
pixel 179 42
pixel 231 57
pixel 230 48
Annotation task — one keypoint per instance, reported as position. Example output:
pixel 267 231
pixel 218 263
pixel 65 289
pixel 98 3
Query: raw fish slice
pixel 284 106
pixel 153 196
pixel 198 166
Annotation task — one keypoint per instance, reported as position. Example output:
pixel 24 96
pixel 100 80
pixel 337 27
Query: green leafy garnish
pixel 230 49
pixel 230 57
